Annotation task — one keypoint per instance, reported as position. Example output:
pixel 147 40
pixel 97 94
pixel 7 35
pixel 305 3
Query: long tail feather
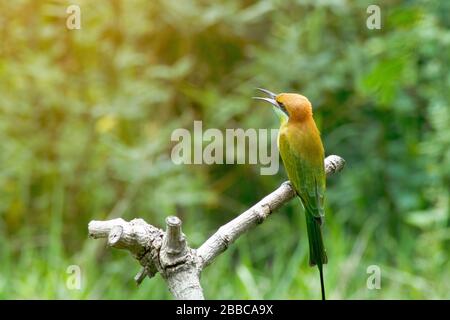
pixel 317 254
pixel 322 285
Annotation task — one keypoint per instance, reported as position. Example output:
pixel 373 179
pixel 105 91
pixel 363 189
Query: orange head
pixel 295 106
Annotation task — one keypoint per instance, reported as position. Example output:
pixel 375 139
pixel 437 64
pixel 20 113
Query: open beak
pixel 271 100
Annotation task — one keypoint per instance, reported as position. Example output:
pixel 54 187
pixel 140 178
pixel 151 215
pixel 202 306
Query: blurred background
pixel 86 117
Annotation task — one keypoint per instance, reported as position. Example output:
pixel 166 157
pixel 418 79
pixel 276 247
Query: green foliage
pixel 86 117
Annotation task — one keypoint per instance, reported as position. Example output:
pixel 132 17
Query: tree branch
pixel 168 252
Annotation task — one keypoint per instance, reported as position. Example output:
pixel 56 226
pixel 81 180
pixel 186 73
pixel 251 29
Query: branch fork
pixel 168 253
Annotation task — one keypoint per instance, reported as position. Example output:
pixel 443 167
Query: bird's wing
pixel 307 177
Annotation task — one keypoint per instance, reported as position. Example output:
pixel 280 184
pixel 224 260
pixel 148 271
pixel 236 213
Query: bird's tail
pixel 317 253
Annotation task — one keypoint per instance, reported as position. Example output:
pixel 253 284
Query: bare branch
pixel 169 253
pixel 333 164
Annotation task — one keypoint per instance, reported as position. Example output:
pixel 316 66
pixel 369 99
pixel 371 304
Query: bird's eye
pixel 282 107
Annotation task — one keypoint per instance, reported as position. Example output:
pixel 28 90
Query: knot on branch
pixel 174 250
pixel 174 241
pixel 115 235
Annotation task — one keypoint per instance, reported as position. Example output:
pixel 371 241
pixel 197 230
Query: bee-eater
pixel 302 153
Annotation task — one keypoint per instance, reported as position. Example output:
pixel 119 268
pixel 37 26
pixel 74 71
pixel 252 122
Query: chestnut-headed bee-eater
pixel 302 153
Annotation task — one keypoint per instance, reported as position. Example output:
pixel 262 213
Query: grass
pixel 260 265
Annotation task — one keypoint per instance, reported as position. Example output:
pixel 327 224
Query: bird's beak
pixel 271 100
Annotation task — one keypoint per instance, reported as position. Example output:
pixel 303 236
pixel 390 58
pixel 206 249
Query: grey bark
pixel 168 252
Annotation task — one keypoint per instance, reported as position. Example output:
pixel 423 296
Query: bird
pixel 302 153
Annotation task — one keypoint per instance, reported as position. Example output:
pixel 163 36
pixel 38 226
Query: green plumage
pixel 303 157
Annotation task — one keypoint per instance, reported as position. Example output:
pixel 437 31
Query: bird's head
pixel 295 106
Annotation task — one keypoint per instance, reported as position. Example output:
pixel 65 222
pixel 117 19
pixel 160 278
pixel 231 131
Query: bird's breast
pixel 304 138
